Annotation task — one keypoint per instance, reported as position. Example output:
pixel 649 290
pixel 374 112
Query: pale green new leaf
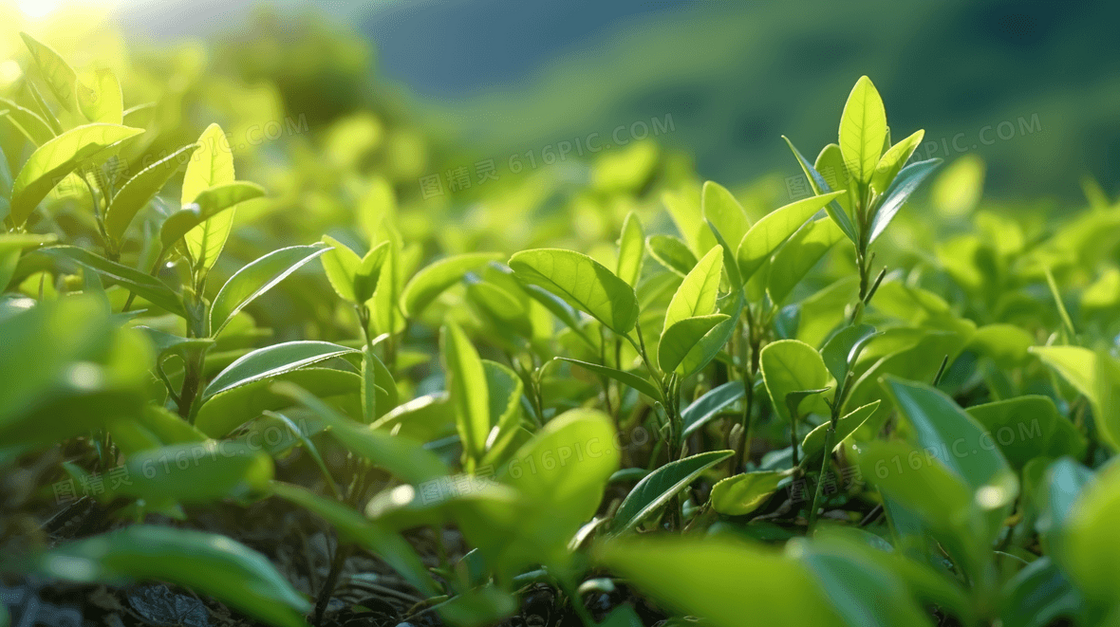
pixel 697 294
pixel 774 229
pixel 208 205
pixel 52 161
pixel 790 366
pixel 894 160
pixel 672 253
pixel 139 190
pixel 427 284
pixel 256 278
pixel 721 209
pixel 57 73
pixel 585 283
pixel 211 165
pixel 680 339
pixel 100 100
pixel 863 130
pixel 631 246
pixel 466 384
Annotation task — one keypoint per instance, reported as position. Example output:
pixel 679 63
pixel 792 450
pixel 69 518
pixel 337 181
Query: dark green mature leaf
pixel 207 204
pixel 744 493
pixel 583 282
pixel 849 575
pixel 423 289
pixel 354 528
pixel 672 253
pixel 637 382
pixel 272 361
pixel 51 162
pixel 143 285
pixel 1040 595
pixel 899 192
pixel 774 229
pixel 256 278
pixel 196 472
pixel 727 582
pixel 139 190
pixel 1027 427
pixel 208 563
pixel 656 488
pixel 401 456
pixel 708 406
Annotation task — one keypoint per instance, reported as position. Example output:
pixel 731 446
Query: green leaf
pixel 101 100
pixel 143 285
pixel 800 254
pixel 1040 595
pixel 820 186
pixel 139 190
pixel 790 366
pixel 401 456
pixel 742 494
pixel 849 575
pixel 561 474
pixel 466 384
pixel 57 73
pixel 726 582
pixel 424 419
pixel 208 204
pixel 505 311
pixel 635 381
pixel 369 271
pixel 842 350
pixel 899 192
pixel 847 425
pixel 224 412
pixel 585 283
pixel 504 390
pixel 423 289
pixel 631 246
pixel 1061 486
pixel 709 346
pixel 774 229
pixel 52 161
pixel 1027 427
pixel 1089 553
pixel 379 390
pixel 656 488
pixel 697 294
pixel 680 339
pixel 672 253
pixel 1097 376
pixel 341 265
pixel 708 406
pixel 894 160
pixel 33 127
pixel 355 529
pixel 256 278
pixel 207 563
pixel 272 361
pixel 720 208
pixel 196 472
pixel 863 130
pixel 212 165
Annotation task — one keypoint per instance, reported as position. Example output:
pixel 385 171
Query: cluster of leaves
pixel 676 419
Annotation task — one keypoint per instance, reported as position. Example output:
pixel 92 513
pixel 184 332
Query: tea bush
pixel 654 399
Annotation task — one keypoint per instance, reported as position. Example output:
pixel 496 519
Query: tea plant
pixel 740 416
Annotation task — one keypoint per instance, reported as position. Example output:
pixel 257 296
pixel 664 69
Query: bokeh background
pixel 495 78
